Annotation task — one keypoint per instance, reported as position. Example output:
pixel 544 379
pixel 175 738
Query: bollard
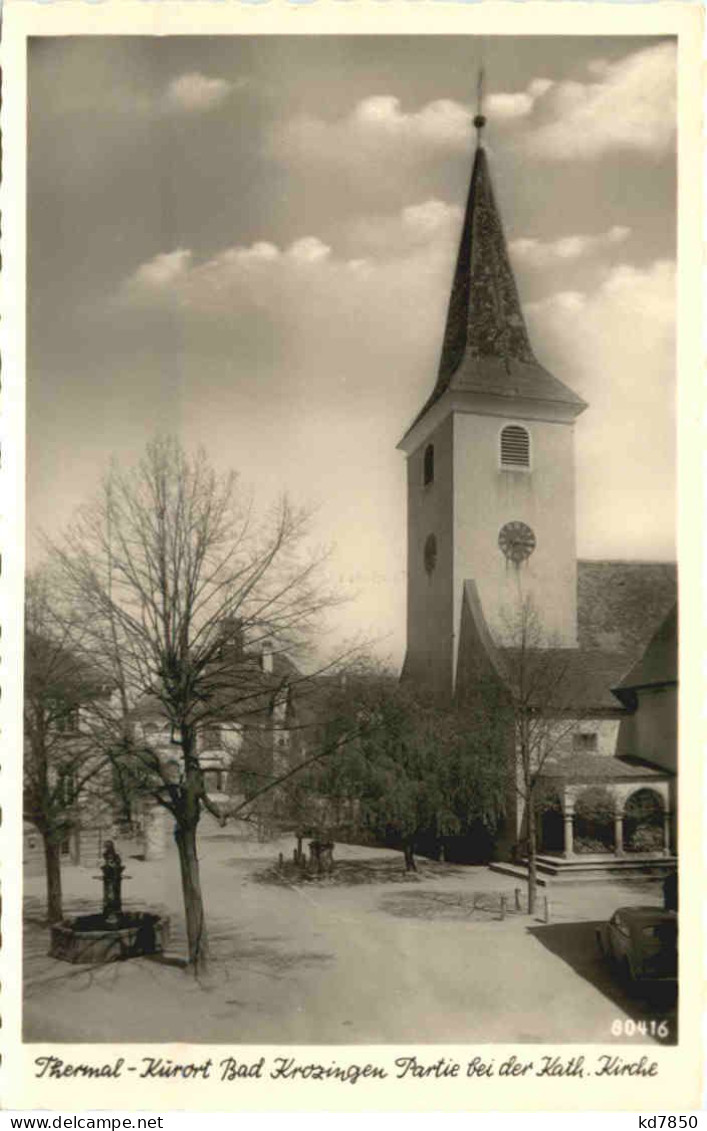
pixel 517 899
pixel 503 907
pixel 281 860
pixel 546 907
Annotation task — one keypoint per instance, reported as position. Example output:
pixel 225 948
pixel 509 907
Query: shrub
pixel 647 838
pixel 590 844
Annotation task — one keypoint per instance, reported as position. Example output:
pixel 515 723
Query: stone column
pixel 619 834
pixel 569 831
pixel 666 832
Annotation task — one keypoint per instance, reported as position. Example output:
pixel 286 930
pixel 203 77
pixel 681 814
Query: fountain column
pixel 112 870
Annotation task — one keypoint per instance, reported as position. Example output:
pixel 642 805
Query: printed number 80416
pixel 627 1027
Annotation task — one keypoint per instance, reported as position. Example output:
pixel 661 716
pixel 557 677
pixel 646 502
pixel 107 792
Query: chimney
pixel 267 657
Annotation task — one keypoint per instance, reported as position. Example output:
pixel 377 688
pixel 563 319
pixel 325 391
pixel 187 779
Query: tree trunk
pixel 410 865
pixel 197 940
pixel 532 856
pixel 52 861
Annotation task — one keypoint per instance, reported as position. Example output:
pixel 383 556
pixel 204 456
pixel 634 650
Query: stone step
pixel 640 866
pixel 517 871
pixel 571 872
pixel 601 860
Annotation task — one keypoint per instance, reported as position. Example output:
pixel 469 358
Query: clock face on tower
pixel 516 541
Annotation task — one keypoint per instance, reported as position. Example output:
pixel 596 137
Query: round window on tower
pixel 516 541
pixel 430 553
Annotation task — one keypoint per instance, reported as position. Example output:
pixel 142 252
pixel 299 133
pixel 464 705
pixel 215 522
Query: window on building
pixel 68 720
pixel 428 472
pixel 585 742
pixel 211 738
pixel 430 553
pixel 213 780
pixel 515 446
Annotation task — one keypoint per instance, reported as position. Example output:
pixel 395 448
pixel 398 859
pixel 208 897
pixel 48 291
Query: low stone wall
pixel 88 939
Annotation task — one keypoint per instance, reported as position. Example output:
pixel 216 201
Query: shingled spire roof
pixel 486 347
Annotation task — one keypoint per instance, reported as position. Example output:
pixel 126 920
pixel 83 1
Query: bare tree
pixel 178 588
pixel 538 700
pixel 61 761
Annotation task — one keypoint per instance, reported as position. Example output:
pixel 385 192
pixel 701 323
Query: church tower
pixel 490 463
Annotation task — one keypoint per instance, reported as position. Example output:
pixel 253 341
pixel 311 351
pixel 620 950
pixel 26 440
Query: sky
pixel 249 241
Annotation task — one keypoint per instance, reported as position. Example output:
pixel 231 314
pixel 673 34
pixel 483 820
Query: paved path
pixel 334 964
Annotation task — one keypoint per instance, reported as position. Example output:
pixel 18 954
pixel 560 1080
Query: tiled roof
pixel 243 691
pixel 659 663
pixel 585 678
pixel 620 604
pixel 600 767
pixel 486 347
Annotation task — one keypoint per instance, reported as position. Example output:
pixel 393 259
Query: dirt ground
pixel 419 960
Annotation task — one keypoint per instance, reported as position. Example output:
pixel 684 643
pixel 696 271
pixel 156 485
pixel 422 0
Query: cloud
pixel 379 126
pixel 310 311
pixel 625 293
pixel 630 104
pixel 195 92
pixel 162 271
pixel 377 133
pixel 418 237
pixel 615 345
pixel 538 254
pixel 310 249
pixel 442 122
pixel 517 105
pixel 432 222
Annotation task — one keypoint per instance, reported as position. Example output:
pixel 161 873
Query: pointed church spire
pixel 486 347
pixel 485 319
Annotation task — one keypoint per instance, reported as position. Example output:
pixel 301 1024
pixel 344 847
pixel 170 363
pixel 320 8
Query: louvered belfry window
pixel 515 446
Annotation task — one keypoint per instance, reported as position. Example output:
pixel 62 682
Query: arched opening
pixel 643 822
pixel 550 822
pixel 594 821
pixel 515 446
pixel 428 468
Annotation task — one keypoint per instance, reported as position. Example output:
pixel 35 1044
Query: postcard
pixel 350 422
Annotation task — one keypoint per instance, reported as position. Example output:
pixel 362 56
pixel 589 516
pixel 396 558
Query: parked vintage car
pixel 642 942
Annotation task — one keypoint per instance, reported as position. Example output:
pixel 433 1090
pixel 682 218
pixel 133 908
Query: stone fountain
pixel 112 934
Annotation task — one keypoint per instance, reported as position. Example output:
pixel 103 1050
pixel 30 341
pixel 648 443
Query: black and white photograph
pixel 350 668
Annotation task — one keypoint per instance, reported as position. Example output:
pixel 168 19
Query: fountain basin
pixel 90 939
